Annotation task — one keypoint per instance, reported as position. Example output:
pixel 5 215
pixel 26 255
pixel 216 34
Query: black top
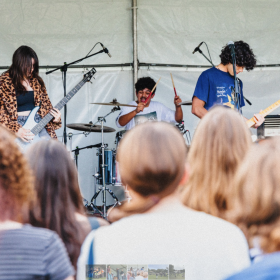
pixel 25 101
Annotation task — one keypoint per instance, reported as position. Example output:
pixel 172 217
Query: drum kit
pixel 107 173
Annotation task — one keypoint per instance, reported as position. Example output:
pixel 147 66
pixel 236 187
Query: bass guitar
pixel 35 128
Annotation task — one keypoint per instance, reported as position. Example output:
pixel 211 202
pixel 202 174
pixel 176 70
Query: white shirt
pixel 208 247
pixel 155 111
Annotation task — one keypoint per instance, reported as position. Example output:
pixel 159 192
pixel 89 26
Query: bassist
pixel 21 89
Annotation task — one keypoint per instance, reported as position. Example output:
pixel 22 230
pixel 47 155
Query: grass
pixel 153 276
pixel 179 276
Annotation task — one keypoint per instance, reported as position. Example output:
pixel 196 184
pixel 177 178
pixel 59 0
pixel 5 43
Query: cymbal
pixel 186 102
pixel 89 127
pixel 114 103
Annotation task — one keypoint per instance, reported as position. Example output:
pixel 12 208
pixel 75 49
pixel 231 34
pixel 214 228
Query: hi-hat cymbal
pixel 186 102
pixel 114 103
pixel 89 127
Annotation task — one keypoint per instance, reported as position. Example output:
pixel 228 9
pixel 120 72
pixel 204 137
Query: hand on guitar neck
pixel 258 119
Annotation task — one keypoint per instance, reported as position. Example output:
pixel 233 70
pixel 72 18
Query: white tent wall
pixel 66 30
pixel 169 30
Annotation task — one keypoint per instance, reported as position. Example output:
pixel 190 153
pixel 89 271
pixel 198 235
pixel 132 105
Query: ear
pixel 153 95
pixel 185 177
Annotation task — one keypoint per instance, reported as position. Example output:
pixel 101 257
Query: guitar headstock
pixel 89 74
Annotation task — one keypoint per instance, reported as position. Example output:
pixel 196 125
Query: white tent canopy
pixel 167 33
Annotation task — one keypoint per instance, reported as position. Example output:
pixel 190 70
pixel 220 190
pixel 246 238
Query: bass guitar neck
pixel 265 112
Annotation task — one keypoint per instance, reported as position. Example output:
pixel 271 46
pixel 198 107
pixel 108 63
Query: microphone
pixel 197 48
pixel 231 45
pixel 105 50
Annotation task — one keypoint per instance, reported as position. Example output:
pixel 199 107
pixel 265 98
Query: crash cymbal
pixel 114 103
pixel 186 102
pixel 89 127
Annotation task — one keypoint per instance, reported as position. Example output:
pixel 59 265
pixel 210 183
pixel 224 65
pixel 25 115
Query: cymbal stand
pixel 103 189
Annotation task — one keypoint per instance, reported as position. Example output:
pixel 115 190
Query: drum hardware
pixel 189 102
pixel 77 151
pixel 103 189
pixel 184 132
pixel 114 103
pixel 90 127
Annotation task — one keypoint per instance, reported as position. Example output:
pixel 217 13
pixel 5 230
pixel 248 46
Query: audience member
pixel 152 165
pixel 26 252
pixel 145 275
pixel 59 202
pixel 220 142
pixel 139 277
pixel 256 208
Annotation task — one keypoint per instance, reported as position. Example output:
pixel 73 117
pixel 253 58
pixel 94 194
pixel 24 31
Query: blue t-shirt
pixel 215 87
pixel 266 269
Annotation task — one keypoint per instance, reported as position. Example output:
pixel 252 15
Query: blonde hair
pixel 256 200
pixel 145 274
pixel 16 180
pixel 151 162
pixel 219 145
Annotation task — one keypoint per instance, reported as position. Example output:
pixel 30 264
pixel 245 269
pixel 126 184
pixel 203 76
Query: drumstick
pixel 152 91
pixel 173 85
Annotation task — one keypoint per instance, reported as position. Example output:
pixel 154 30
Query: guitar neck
pixel 265 112
pixel 37 128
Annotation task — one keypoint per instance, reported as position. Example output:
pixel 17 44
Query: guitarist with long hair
pixel 21 89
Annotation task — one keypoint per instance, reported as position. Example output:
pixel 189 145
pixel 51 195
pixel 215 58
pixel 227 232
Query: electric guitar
pixel 265 112
pixel 35 128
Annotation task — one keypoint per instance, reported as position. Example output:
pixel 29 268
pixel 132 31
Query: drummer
pixel 150 111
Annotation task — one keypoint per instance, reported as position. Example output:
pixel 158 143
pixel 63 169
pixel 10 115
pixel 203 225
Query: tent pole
pixel 135 56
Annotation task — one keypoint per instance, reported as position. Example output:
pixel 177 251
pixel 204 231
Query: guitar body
pixel 29 124
pixel 36 128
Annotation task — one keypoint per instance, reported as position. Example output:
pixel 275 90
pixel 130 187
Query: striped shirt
pixel 33 253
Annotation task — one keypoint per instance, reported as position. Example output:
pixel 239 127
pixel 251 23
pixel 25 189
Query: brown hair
pixel 58 193
pixel 22 65
pixel 256 199
pixel 16 181
pixel 151 162
pixel 218 147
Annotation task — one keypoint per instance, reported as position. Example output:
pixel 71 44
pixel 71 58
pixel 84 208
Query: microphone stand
pixel 63 69
pixel 236 83
pixel 200 51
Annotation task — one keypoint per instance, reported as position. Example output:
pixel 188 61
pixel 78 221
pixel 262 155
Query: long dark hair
pixel 22 65
pixel 58 194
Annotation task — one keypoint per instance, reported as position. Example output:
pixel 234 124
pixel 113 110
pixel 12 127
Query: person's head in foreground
pixel 22 243
pixel 220 142
pixel 58 195
pixel 256 207
pixel 245 57
pixel 152 163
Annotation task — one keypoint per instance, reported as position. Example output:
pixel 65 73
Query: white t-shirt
pixel 139 277
pixel 208 247
pixel 155 111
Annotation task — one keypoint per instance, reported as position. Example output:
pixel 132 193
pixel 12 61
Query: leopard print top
pixel 8 104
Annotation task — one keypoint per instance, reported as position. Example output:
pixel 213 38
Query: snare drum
pixel 111 168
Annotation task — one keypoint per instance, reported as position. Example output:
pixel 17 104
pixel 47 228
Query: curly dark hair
pixel 145 82
pixel 243 53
